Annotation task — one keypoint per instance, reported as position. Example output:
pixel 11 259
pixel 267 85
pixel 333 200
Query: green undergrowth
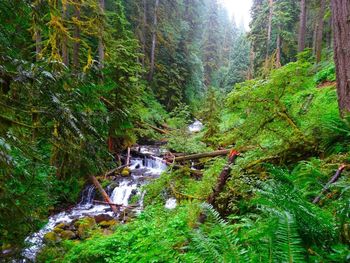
pixel 292 141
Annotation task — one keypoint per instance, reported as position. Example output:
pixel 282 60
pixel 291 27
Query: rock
pixel 58 230
pixel 67 234
pixel 102 217
pixel 108 224
pixel 85 226
pixel 126 172
pixel 51 238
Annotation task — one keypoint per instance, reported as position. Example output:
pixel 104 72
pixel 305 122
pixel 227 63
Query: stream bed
pixel 121 191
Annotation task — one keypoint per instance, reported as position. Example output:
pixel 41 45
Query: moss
pixel 126 172
pixel 67 234
pixel 108 224
pixel 51 238
pixel 85 226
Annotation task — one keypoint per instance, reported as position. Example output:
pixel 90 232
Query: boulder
pixel 125 172
pixel 108 224
pixel 51 238
pixel 102 217
pixel 67 234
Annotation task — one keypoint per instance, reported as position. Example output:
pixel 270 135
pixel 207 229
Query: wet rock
pixel 58 230
pixel 67 234
pixel 108 224
pixel 126 172
pixel 51 238
pixel 102 217
pixel 62 225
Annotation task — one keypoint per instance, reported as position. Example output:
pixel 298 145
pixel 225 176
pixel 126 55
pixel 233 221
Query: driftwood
pixel 117 205
pixel 201 155
pixel 153 127
pixel 224 176
pixel 332 181
pixel 104 194
pixel 128 157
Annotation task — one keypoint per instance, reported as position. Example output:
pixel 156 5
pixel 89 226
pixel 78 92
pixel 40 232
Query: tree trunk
pixel 201 155
pixel 143 33
pixel 37 36
pixel 224 176
pixel 302 26
pixel 341 30
pixel 269 29
pixel 76 36
pixel 64 44
pixel 104 194
pixel 319 32
pixel 329 33
pixel 278 51
pixel 154 38
pixel 101 48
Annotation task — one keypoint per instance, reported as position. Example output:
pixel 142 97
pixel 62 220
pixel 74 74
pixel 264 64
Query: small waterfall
pixel 196 126
pixel 156 165
pixel 121 194
pixel 88 195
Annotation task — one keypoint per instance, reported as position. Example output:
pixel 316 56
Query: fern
pixel 288 242
pixel 216 241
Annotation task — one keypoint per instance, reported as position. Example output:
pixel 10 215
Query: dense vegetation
pixel 81 81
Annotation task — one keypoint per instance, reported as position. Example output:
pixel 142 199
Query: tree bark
pixel 224 176
pixel 302 26
pixel 143 33
pixel 76 36
pixel 278 51
pixel 319 32
pixel 64 44
pixel 154 40
pixel 104 194
pixel 101 48
pixel 269 29
pixel 341 31
pixel 332 181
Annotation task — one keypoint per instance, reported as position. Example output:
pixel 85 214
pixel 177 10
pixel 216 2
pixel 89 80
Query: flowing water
pixel 121 191
pixel 196 126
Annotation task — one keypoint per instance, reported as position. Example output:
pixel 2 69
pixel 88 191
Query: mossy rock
pixel 51 238
pixel 62 225
pixel 67 234
pixel 126 172
pixel 108 224
pixel 85 226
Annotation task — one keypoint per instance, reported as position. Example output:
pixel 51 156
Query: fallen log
pixel 332 181
pixel 104 194
pixel 128 157
pixel 117 205
pixel 224 176
pixel 153 127
pixel 201 155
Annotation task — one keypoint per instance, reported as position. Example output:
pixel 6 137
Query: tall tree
pixel 302 26
pixel 101 47
pixel 341 30
pixel 154 39
pixel 76 35
pixel 319 31
pixel 269 29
